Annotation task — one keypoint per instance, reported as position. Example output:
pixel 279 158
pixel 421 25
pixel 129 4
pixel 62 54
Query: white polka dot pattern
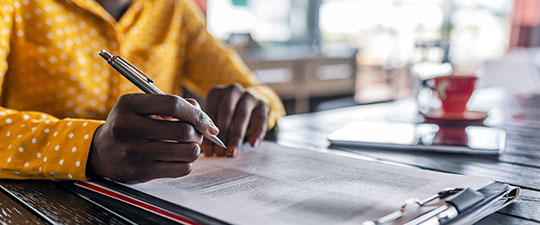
pixel 24 152
pixel 69 80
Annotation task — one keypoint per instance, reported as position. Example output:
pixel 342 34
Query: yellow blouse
pixel 50 69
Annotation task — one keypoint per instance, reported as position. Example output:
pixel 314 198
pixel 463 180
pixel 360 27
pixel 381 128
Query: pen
pixel 142 81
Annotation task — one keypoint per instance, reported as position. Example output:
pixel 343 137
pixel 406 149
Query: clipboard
pixel 322 198
pixel 488 200
pixel 469 206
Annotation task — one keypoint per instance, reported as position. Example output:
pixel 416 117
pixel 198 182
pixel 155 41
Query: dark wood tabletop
pixel 519 165
pixel 54 202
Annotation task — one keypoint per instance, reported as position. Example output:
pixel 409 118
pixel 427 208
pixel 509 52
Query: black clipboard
pixel 490 193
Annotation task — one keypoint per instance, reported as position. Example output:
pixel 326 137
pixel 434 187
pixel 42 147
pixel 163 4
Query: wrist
pixel 91 168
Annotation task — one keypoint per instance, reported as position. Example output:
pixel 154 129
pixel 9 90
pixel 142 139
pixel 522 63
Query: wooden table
pixel 48 202
pixel 519 165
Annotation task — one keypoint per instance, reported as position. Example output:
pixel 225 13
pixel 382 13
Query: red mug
pixel 454 92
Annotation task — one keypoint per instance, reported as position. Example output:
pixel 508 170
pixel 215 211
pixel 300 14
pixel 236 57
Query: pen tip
pixel 222 145
pixel 219 142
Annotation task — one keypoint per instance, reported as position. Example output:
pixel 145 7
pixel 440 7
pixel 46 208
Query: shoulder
pixel 187 5
pixel 190 10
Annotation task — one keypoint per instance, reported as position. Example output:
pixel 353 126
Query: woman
pixel 55 91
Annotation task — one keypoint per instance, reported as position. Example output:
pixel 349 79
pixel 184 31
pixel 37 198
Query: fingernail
pixel 257 143
pixel 213 129
pixel 199 151
pixel 232 151
pixel 252 142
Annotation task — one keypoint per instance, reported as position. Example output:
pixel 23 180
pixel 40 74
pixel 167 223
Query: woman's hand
pixel 237 113
pixel 135 146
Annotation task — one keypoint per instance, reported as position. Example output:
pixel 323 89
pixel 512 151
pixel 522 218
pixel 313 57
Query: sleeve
pixel 35 145
pixel 210 63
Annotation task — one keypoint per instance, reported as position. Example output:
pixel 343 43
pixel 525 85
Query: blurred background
pixel 324 54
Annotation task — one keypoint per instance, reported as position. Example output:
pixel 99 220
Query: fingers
pixel 171 152
pixel 147 161
pixel 225 112
pixel 169 105
pixel 149 136
pixel 235 111
pixel 212 105
pixel 140 127
pixel 240 123
pixel 212 102
pixel 258 123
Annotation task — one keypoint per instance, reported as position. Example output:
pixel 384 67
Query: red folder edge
pixel 134 202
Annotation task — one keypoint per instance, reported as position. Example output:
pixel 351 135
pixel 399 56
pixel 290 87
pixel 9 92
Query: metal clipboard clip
pixel 450 210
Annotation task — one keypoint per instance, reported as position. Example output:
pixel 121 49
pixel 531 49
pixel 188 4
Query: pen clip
pixel 136 69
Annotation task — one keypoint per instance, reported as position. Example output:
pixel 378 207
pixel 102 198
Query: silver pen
pixel 142 81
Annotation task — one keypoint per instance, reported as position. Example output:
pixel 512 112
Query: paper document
pixel 280 185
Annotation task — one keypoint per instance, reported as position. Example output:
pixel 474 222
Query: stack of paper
pixel 274 185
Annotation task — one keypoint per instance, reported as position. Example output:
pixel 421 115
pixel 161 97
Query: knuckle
pixel 172 103
pixel 237 86
pixel 263 104
pixel 265 109
pixel 128 99
pixel 125 98
pixel 195 150
pixel 232 87
pixel 249 97
pixel 202 119
pixel 216 91
pixel 119 128
pixel 117 131
pixel 187 131
pixel 123 126
pixel 175 103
